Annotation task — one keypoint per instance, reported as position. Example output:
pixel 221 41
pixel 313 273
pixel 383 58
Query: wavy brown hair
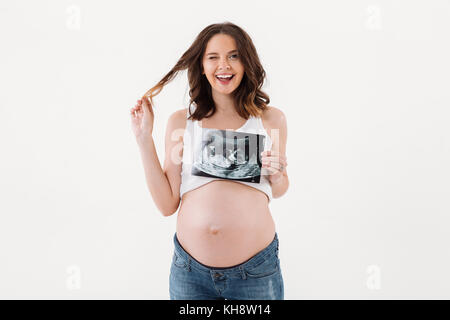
pixel 248 97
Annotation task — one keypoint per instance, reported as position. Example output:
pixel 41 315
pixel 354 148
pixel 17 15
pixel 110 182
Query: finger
pixel 272 158
pixel 146 104
pixel 266 153
pixel 273 165
pixel 275 162
pixel 136 106
pixel 272 153
pixel 268 162
pixel 279 161
pixel 271 170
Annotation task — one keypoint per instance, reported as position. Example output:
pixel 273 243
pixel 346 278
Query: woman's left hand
pixel 274 163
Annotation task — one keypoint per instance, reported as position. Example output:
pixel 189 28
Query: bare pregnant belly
pixel 224 223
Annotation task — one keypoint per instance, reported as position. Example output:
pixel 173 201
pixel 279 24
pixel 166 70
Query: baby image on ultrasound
pixel 229 155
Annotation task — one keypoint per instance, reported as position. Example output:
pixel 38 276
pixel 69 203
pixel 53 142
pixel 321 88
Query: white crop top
pixel 200 143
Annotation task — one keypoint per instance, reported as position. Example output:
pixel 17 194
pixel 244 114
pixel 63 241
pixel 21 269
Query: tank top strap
pixel 257 122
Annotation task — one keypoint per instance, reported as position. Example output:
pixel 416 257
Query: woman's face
pixel 221 57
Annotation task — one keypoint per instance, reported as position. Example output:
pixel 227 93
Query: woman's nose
pixel 224 64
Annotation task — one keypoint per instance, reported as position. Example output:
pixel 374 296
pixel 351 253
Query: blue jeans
pixel 258 278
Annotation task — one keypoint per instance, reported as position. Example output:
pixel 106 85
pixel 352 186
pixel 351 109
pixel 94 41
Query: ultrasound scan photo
pixel 228 155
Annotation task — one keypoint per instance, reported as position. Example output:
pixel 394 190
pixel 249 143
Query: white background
pixel 364 86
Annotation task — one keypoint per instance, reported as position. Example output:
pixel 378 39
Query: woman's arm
pixel 280 186
pixel 275 160
pixel 164 184
pixel 156 179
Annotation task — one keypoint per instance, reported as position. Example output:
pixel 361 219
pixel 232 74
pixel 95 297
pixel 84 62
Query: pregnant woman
pixel 225 244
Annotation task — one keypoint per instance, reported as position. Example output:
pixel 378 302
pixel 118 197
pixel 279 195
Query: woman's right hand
pixel 142 118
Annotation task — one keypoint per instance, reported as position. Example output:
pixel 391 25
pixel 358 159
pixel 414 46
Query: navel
pixel 213 230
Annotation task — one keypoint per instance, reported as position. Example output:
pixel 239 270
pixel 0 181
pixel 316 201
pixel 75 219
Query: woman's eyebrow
pixel 217 53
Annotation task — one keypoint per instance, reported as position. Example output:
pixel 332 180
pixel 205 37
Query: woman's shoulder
pixel 178 119
pixel 273 117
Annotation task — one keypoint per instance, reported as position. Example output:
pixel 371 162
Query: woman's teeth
pixel 224 79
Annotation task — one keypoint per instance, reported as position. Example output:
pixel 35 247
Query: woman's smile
pixel 224 79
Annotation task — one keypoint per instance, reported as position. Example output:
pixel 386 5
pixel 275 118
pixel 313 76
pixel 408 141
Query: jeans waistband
pixel 252 262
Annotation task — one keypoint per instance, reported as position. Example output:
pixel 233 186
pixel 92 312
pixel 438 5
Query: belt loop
pixel 189 264
pixel 244 276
